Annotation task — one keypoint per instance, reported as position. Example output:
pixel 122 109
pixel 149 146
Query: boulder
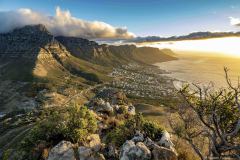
pixel 162 153
pixel 131 110
pixel 149 143
pixel 102 106
pixel 165 140
pixel 132 151
pixel 62 151
pixel 86 153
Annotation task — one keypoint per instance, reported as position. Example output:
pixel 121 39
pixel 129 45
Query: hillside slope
pixel 38 69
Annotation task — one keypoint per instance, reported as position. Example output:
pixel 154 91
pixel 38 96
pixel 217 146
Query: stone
pixel 102 106
pixel 162 153
pixel 131 110
pixel 62 151
pixel 86 153
pixel 165 140
pixel 130 151
pixel 149 143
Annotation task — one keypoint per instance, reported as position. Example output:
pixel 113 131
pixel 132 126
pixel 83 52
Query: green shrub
pixel 127 130
pixel 73 125
pixel 152 130
pixel 81 123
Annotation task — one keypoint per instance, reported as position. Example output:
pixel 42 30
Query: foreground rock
pixel 140 147
pixel 132 151
pixel 62 151
pixel 86 153
pixel 111 102
pixel 162 153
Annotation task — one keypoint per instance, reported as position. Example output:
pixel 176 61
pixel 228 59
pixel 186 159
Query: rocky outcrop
pixel 111 101
pixel 91 149
pixel 165 140
pixel 62 151
pixel 86 153
pixel 162 153
pixel 24 42
pixel 83 48
pixel 134 151
pixel 140 147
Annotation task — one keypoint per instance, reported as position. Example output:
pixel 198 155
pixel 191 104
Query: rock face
pixel 24 42
pixel 86 153
pixel 132 151
pixel 111 101
pixel 165 140
pixel 83 48
pixel 91 149
pixel 62 151
pixel 162 153
pixel 140 147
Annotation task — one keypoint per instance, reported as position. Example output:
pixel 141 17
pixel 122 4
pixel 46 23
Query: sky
pixel 123 18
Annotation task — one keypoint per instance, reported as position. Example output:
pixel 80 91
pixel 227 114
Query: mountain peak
pixel 32 29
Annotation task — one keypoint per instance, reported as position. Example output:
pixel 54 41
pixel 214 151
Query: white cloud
pixel 234 21
pixel 63 23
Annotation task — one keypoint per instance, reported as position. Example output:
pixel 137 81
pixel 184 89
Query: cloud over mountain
pixel 63 23
pixel 234 21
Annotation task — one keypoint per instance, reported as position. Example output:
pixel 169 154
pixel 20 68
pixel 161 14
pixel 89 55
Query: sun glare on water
pixel 225 46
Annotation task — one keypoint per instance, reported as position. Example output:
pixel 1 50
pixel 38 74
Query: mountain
pixel 33 61
pixel 35 66
pixel 109 55
pixel 191 36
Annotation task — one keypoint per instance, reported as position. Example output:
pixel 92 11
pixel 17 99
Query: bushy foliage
pixel 210 116
pixel 126 130
pixel 81 122
pixel 152 129
pixel 74 125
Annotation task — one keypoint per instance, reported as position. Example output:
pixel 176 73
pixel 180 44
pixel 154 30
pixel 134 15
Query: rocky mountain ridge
pixel 191 36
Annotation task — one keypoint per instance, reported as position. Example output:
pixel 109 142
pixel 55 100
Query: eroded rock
pixel 132 151
pixel 62 151
pixel 163 153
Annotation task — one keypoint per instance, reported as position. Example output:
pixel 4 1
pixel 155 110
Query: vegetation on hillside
pixel 210 121
pixel 74 124
pixel 127 129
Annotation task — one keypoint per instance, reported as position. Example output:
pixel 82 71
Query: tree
pixel 212 117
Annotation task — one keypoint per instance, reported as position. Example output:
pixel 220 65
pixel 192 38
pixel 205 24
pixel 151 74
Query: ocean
pixel 201 69
pixel 202 61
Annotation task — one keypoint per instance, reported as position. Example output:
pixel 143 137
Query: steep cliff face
pixel 24 42
pixel 83 48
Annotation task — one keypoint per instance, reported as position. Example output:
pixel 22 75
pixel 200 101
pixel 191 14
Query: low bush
pixel 73 125
pixel 127 130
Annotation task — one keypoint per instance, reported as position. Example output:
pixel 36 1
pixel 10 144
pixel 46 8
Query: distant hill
pixel 191 36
